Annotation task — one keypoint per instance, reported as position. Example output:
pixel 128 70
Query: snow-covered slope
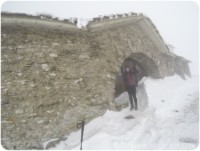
pixel 170 121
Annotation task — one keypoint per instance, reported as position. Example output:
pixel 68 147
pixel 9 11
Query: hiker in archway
pixel 131 82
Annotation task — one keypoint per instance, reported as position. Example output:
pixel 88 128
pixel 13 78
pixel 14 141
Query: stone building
pixel 54 74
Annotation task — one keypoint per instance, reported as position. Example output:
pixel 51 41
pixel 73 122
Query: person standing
pixel 130 82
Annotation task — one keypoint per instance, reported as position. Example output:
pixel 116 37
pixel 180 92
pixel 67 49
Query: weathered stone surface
pixel 54 77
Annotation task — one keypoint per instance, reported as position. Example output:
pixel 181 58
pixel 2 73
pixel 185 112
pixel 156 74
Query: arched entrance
pixel 145 64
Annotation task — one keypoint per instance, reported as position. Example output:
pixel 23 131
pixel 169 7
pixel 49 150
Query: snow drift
pixel 170 121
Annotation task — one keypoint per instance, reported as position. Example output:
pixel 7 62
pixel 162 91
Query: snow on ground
pixel 170 121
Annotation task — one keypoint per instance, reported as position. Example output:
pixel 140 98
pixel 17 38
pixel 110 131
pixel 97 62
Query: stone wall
pixel 54 77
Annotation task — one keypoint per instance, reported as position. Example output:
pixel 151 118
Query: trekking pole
pixel 82 130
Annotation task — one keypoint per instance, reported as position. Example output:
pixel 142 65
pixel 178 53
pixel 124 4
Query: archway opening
pixel 142 62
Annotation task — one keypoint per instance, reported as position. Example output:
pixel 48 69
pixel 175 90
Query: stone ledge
pixel 117 22
pixel 39 23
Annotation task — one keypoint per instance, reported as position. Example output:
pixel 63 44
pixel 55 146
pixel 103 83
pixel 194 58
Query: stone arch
pixel 146 65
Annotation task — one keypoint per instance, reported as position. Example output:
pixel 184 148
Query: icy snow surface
pixel 169 121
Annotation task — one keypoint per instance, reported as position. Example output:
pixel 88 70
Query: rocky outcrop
pixel 54 74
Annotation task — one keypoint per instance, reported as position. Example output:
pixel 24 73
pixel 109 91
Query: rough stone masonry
pixel 54 74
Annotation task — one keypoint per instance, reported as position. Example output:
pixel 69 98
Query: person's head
pixel 127 69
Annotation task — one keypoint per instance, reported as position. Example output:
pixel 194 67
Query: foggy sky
pixel 177 22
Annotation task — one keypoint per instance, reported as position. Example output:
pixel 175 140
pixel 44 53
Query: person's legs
pixel 130 94
pixel 134 97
